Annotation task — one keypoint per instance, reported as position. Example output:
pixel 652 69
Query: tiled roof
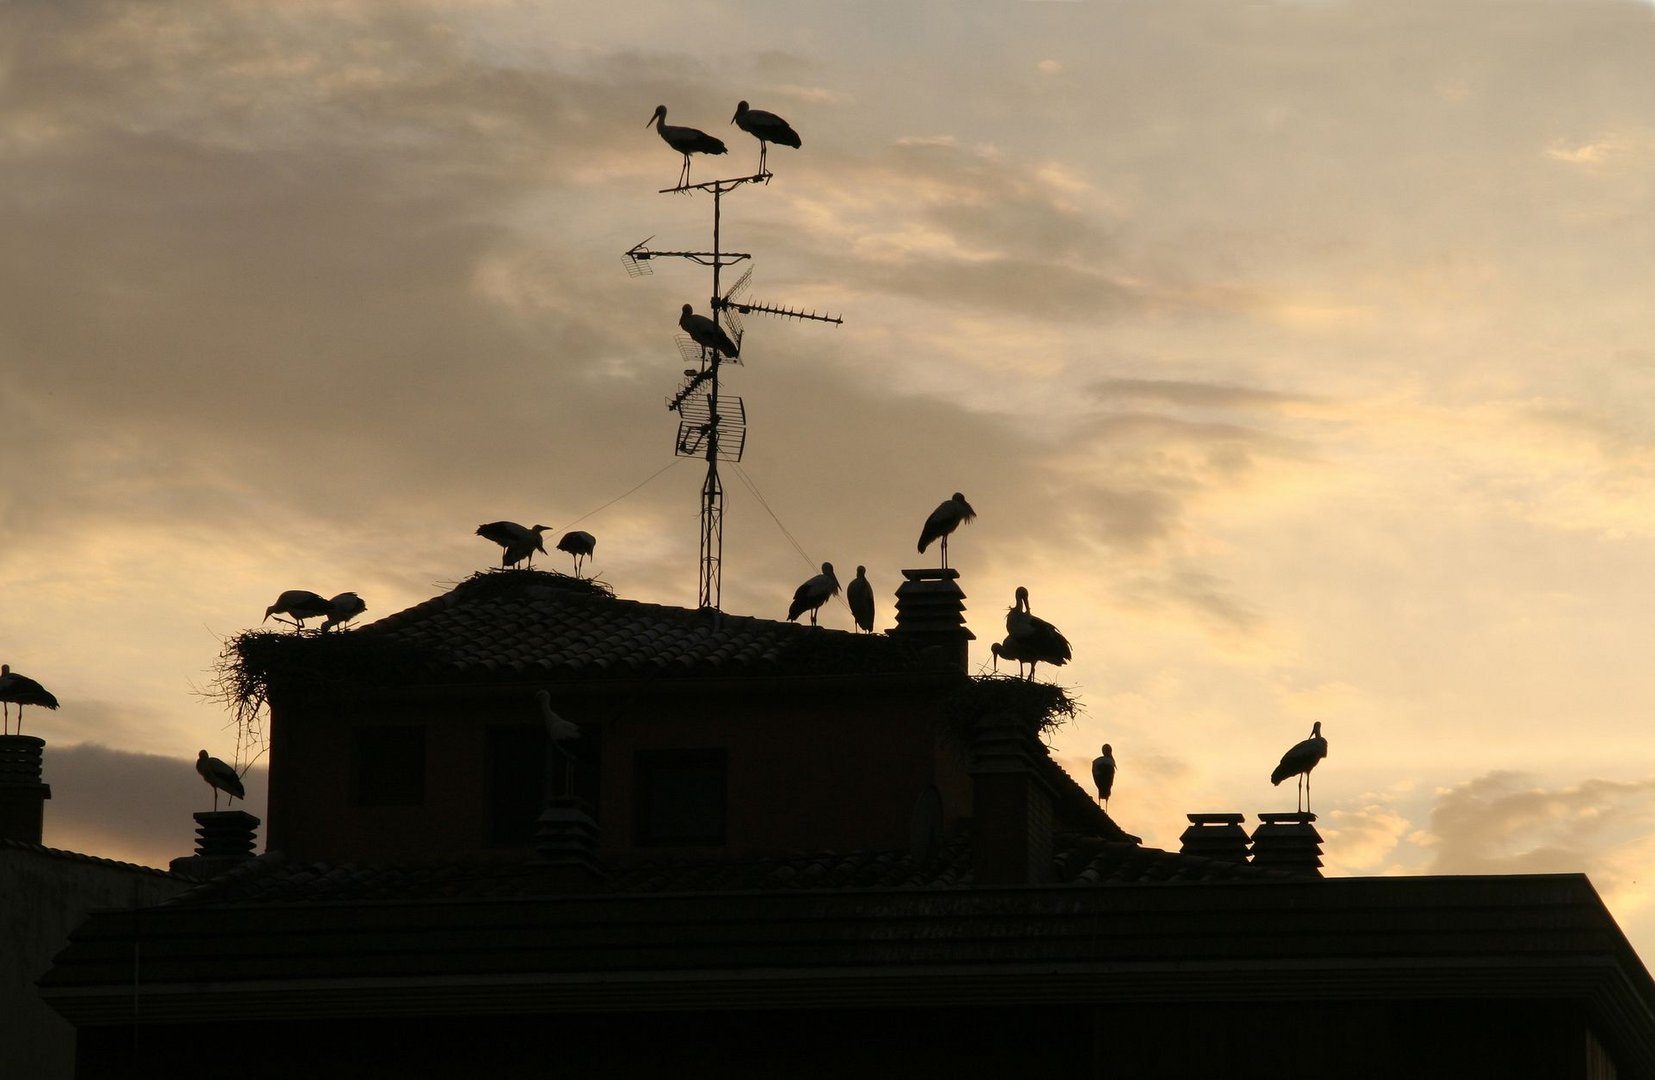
pixel 1077 860
pixel 510 625
pixel 76 856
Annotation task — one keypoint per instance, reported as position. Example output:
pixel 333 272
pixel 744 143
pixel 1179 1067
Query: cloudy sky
pixel 1296 356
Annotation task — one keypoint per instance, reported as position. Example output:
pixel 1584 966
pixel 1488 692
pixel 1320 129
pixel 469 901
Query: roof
pixel 529 625
pixel 1077 860
pixel 75 856
pixel 1544 938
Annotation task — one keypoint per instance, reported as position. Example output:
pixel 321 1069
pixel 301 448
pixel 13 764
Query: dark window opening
pixel 681 796
pixel 388 765
pixel 516 782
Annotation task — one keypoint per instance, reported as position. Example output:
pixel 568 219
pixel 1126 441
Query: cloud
pixel 1505 823
pixel 127 806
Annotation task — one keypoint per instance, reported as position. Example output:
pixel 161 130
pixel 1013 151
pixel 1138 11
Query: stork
pixel 1008 649
pixel 1103 774
pixel 343 608
pixel 1034 639
pixel 685 140
pixel 560 762
pixel 517 542
pixel 947 517
pixel 1299 761
pixel 299 605
pixel 766 127
pixel 707 333
pixel 859 595
pixel 580 545
pixel 220 777
pixel 20 690
pixel 813 594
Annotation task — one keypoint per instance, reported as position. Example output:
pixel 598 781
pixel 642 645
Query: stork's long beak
pixel 733 118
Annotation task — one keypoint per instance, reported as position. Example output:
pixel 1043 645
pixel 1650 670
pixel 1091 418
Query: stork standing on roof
pixel 1103 774
pixel 517 543
pixel 947 517
pixel 220 777
pixel 580 545
pixel 707 333
pixel 1031 638
pixel 20 690
pixel 685 140
pixel 299 605
pixel 813 594
pixel 859 595
pixel 1299 761
pixel 766 127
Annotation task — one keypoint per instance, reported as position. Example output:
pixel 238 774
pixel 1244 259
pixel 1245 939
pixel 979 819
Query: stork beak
pixel 733 118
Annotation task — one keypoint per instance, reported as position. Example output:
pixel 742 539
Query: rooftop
pixel 529 625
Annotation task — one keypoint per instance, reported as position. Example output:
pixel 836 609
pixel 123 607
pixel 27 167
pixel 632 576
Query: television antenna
pixel 710 426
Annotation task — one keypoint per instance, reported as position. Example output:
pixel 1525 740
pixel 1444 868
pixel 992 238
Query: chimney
pixel 1288 841
pixel 930 611
pixel 22 794
pixel 224 839
pixel 1011 807
pixel 1215 836
pixel 567 840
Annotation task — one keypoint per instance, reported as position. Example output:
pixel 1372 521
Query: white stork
pixel 343 608
pixel 1103 774
pixel 1299 761
pixel 947 517
pixel 859 595
pixel 766 127
pixel 220 777
pixel 813 594
pixel 299 605
pixel 517 543
pixel 706 333
pixel 580 545
pixel 1033 639
pixel 20 690
pixel 685 140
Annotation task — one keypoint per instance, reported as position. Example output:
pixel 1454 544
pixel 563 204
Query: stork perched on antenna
pixel 1300 760
pixel 1031 639
pixel 580 545
pixel 813 594
pixel 859 595
pixel 20 690
pixel 943 520
pixel 766 127
pixel 685 140
pixel 299 605
pixel 517 543
pixel 706 333
pixel 220 777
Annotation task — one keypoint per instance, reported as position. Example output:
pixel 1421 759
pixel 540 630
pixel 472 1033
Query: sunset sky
pixel 1296 356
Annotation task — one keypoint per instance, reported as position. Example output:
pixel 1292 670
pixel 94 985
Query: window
pixel 680 796
pixel 388 765
pixel 516 782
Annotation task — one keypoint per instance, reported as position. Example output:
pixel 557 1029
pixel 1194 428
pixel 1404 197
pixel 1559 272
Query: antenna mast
pixel 709 426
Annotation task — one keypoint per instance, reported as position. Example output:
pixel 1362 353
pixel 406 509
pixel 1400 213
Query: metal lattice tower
pixel 709 426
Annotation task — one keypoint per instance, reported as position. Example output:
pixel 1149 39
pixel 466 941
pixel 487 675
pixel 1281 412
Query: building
pixel 46 893
pixel 527 825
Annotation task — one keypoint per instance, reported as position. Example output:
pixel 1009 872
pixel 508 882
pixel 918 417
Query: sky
pixel 1295 355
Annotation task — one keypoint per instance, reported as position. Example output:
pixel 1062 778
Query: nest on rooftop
pixel 499 581
pixel 1043 707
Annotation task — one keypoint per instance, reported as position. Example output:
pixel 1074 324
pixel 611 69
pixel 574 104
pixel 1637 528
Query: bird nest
pixel 1043 707
pixel 512 582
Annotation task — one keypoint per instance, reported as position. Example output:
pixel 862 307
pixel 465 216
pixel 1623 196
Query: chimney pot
pixel 1288 841
pixel 1216 836
pixel 22 794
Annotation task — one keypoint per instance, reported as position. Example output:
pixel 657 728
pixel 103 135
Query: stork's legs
pixel 945 551
pixel 684 173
